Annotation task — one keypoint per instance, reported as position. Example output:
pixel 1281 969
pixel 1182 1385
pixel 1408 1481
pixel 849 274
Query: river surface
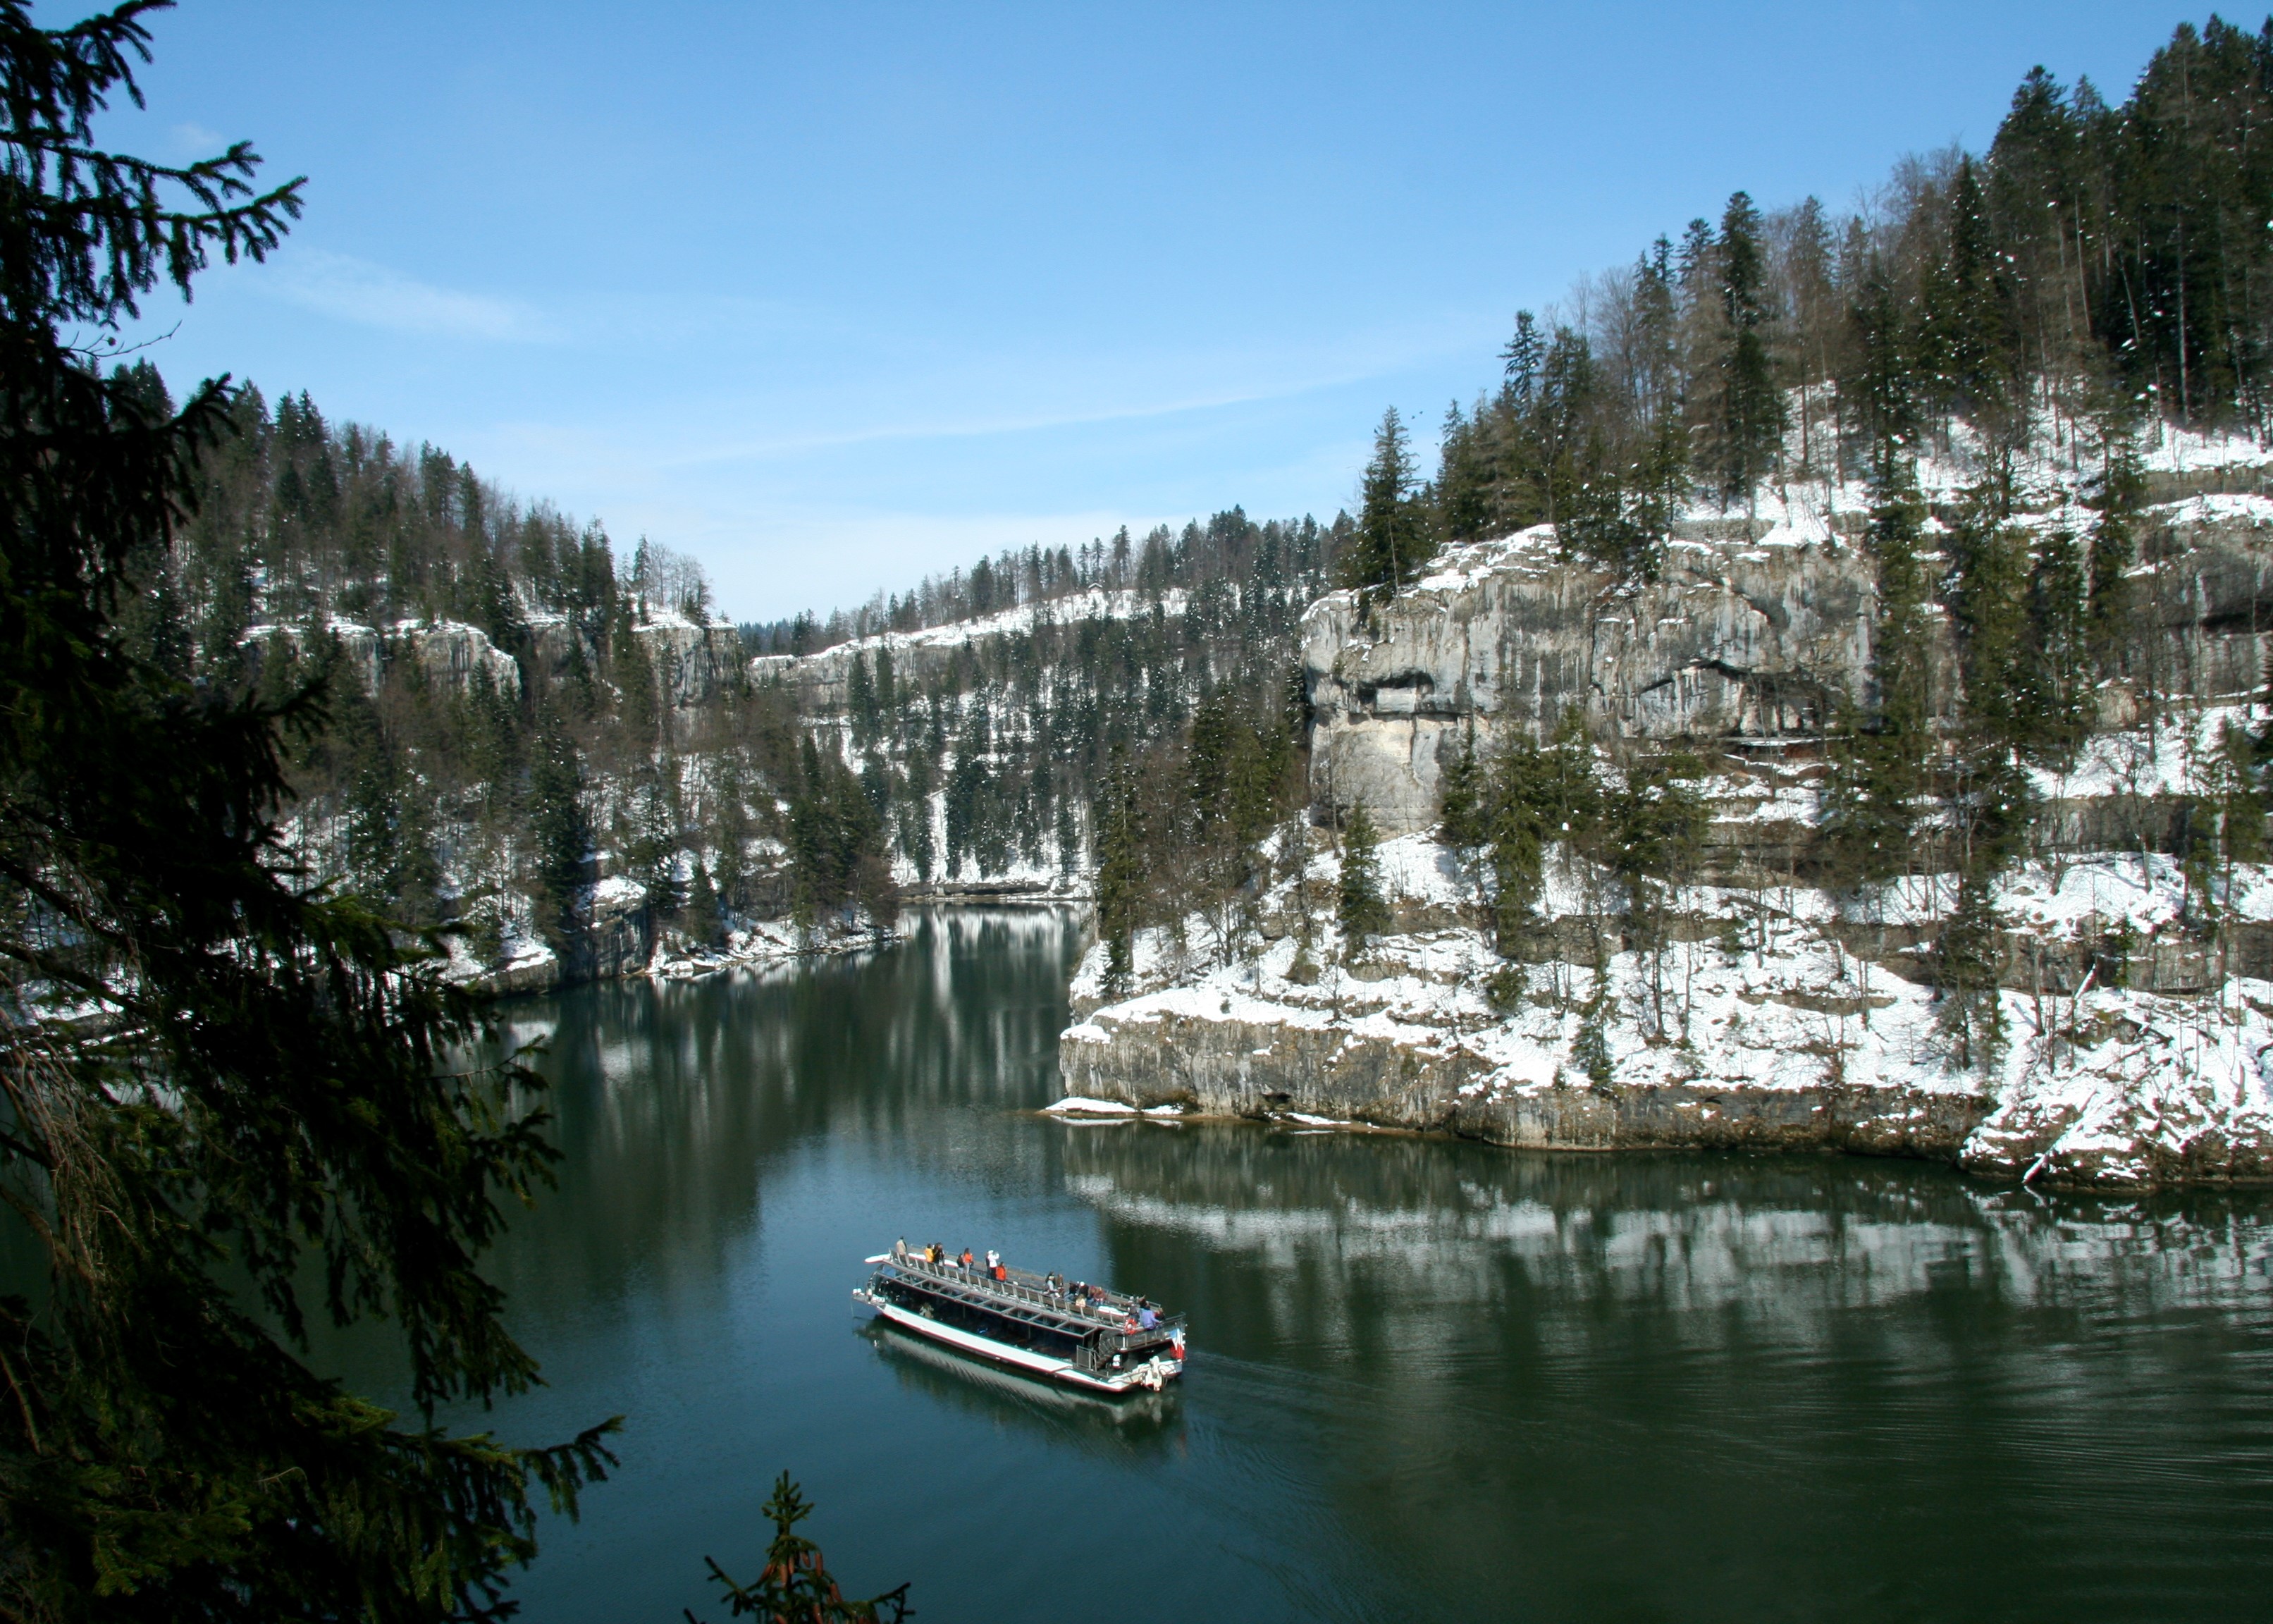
pixel 1429 1381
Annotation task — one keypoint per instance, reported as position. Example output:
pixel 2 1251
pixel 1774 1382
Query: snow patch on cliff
pixel 2107 1085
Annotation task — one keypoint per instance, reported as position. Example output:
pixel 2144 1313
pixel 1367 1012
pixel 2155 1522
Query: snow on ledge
pixel 1077 1105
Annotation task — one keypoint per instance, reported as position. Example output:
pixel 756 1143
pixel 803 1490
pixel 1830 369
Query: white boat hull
pixel 1151 1374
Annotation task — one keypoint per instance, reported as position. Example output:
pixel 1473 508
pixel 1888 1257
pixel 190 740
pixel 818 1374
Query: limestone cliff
pixel 1754 1025
pixel 2135 1014
pixel 1740 638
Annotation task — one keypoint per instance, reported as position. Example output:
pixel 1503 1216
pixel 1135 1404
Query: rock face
pixel 1738 638
pixel 1233 1068
pixel 2126 1058
pixel 455 656
pixel 1734 639
pixel 450 654
pixel 823 681
pixel 694 665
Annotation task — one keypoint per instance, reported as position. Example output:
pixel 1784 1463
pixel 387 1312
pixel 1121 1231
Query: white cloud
pixel 353 289
pixel 194 141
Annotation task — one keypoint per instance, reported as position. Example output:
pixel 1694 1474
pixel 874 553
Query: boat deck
pixel 1026 1296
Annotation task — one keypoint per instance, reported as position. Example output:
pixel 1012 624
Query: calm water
pixel 1429 1379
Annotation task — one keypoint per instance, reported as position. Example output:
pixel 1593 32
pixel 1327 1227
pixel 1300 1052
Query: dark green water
pixel 1430 1380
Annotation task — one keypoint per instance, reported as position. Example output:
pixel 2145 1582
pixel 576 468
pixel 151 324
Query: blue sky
pixel 833 296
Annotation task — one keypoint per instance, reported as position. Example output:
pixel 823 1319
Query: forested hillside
pixel 1820 698
pixel 564 754
pixel 1956 378
pixel 2099 268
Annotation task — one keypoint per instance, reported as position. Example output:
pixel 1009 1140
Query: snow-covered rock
pixel 1737 637
pixel 1754 1025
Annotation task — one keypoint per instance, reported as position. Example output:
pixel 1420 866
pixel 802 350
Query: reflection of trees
pixel 671 1098
pixel 1770 1377
pixel 1299 1232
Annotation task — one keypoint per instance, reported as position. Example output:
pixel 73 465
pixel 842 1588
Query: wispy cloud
pixel 1065 397
pixel 194 141
pixel 353 289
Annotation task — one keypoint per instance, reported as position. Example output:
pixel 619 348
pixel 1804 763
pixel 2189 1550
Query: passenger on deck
pixel 965 1258
pixel 900 1250
pixel 1146 1320
pixel 993 1260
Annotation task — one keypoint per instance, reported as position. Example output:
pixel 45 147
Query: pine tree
pixel 1747 427
pixel 1360 908
pixel 2118 498
pixel 702 919
pixel 1966 964
pixel 1877 759
pixel 259 1124
pixel 795 1588
pixel 860 702
pixel 1879 387
pixel 1965 341
pixel 1121 882
pixel 1462 494
pixel 1590 1048
pixel 1393 546
pixel 1987 591
pixel 2057 669
pixel 1461 808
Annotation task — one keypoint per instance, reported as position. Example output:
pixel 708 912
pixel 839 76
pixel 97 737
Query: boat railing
pixel 1108 1313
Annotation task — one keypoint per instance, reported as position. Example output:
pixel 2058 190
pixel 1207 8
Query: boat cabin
pixel 1097 1330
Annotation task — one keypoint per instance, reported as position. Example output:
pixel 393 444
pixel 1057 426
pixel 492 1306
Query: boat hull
pixel 1150 1376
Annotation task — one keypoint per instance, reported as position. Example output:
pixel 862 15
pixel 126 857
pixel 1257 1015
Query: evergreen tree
pixel 2118 498
pixel 2057 671
pixel 1965 344
pixel 1747 431
pixel 1878 388
pixel 700 918
pixel 1590 1048
pixel 259 1124
pixel 1360 908
pixel 1966 964
pixel 1121 884
pixel 795 1588
pixel 1463 492
pixel 1987 591
pixel 1877 759
pixel 860 702
pixel 1392 544
pixel 562 834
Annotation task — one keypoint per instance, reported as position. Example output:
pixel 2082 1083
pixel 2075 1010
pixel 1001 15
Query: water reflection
pixel 1512 1367
pixel 672 1099
pixel 1429 1378
pixel 1141 1423
pixel 1797 1244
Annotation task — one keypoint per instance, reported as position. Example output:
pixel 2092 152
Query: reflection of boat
pixel 1089 1338
pixel 943 1370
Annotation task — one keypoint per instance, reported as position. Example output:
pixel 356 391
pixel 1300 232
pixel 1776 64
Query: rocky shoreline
pixel 1788 1042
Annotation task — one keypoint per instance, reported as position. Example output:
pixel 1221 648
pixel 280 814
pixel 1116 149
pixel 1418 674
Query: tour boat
pixel 1088 1338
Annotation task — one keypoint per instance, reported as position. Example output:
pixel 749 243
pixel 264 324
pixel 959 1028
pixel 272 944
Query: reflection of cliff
pixel 673 1098
pixel 1502 1367
pixel 1430 1234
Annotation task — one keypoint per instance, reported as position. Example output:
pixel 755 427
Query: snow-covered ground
pixel 2106 1083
